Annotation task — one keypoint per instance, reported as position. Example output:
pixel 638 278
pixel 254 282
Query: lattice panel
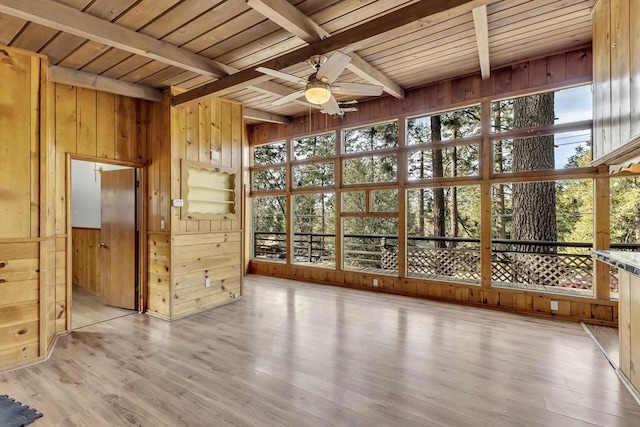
pixel 562 270
pixel 455 263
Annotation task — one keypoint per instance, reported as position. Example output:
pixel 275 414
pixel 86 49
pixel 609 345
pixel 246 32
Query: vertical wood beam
pixel 402 199
pixel 602 210
pixel 338 185
pixel 485 166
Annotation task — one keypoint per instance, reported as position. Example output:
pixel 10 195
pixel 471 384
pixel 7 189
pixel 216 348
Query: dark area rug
pixel 15 414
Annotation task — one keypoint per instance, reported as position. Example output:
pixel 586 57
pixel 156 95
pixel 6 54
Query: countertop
pixel 628 261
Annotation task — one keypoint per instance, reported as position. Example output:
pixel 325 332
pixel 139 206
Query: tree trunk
pixel 534 204
pixel 438 193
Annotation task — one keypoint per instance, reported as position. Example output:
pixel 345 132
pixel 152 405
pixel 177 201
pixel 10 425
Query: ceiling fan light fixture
pixel 317 92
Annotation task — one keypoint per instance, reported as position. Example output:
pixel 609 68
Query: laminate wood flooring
pixel 87 309
pixel 608 339
pixel 296 354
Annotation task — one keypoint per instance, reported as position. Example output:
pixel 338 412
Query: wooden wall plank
pixel 86 259
pixel 87 122
pixel 15 158
pixel 105 132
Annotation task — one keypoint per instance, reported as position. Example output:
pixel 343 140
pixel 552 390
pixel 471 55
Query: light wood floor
pixel 609 341
pixel 86 309
pixel 295 354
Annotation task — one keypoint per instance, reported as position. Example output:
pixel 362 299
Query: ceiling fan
pixel 319 88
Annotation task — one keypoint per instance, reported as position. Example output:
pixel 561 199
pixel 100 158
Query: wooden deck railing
pixel 559 265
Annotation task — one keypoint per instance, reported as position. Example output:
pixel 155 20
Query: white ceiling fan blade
pixel 357 89
pixel 334 66
pixel 331 106
pixel 280 75
pixel 288 98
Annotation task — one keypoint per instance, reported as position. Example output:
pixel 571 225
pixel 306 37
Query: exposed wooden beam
pixel 291 19
pixel 73 21
pixel 366 71
pixel 482 37
pixel 72 77
pixel 359 33
pixel 264 116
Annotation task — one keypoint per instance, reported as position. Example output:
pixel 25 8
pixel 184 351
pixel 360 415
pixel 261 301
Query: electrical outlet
pixel 207 282
pixel 162 224
pixel 375 282
pixel 554 305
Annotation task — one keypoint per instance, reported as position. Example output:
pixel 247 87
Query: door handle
pixel 102 245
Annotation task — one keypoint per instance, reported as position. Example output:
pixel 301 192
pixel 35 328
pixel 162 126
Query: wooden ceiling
pixel 188 43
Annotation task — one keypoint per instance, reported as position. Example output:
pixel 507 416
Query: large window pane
pixel 443 162
pixel 269 228
pixel 564 150
pixel 462 123
pixel 364 170
pixel 542 236
pixel 544 109
pixel 384 201
pixel 268 179
pixel 313 175
pixel 314 240
pixel 315 146
pixel 443 229
pixel 354 201
pixel 625 221
pixel 370 138
pixel 270 154
pixel 371 244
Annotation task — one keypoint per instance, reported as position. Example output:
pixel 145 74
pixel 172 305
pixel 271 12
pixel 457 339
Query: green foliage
pixel 269 214
pixel 314 213
pixel 270 154
pixel 371 138
pixel 625 209
pixel 315 146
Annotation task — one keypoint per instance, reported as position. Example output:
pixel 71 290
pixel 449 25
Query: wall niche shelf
pixel 209 192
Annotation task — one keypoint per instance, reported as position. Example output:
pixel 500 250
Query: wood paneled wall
pixel 85 259
pixel 96 125
pixel 23 270
pixel 41 123
pixel 561 70
pixel 183 253
pixel 616 78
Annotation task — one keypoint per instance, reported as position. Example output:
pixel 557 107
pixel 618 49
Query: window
pixel 371 138
pixel 264 176
pixel 314 147
pixel 448 126
pixel 544 131
pixel 541 223
pixel 269 228
pixel 319 174
pixel 542 235
pixel 314 240
pixel 370 244
pixel 625 220
pixel 443 230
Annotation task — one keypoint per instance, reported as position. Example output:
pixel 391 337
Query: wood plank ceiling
pixel 237 36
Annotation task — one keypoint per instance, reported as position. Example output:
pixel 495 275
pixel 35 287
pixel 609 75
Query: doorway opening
pixel 104 231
